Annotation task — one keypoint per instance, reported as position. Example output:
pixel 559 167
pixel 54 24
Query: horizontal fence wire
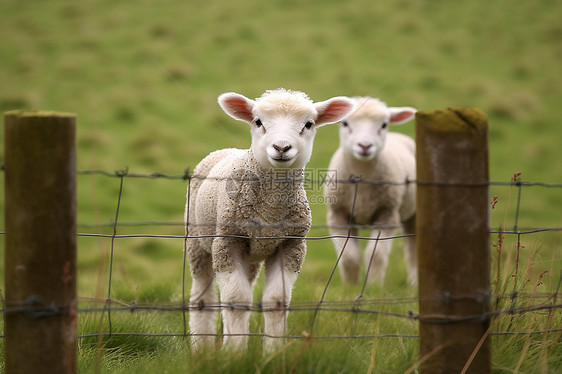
pixel 124 173
pixel 187 176
pixel 364 306
pixel 35 311
pixel 540 302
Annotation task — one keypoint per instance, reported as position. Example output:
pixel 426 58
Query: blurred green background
pixel 108 61
pixel 143 78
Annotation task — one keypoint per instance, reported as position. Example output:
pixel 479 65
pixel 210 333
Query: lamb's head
pixel 363 133
pixel 283 124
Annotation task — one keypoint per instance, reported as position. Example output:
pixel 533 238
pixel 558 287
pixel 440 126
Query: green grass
pixel 111 62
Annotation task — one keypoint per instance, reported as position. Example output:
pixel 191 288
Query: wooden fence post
pixel 453 240
pixel 40 251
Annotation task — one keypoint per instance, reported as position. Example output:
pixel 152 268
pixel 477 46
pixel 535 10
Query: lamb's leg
pixel 377 253
pixel 350 261
pixel 281 272
pixel 203 299
pixel 235 280
pixel 410 251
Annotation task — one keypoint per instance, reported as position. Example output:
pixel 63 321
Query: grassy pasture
pixel 143 79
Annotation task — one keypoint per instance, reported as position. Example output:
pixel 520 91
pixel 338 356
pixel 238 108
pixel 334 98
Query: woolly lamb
pixel 247 203
pixel 368 150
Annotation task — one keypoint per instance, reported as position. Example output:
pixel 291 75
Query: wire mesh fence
pixel 506 303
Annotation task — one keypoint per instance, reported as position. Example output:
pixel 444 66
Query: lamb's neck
pixel 278 176
pixel 359 167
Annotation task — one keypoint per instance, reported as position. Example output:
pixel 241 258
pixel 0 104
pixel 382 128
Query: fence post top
pixel 453 119
pixel 37 113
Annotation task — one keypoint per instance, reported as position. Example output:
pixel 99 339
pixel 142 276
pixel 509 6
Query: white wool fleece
pixel 249 207
pixel 369 150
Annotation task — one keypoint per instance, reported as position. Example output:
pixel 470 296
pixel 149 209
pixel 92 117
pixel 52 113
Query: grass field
pixel 143 79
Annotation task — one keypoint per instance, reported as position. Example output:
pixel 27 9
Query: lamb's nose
pixel 281 149
pixel 365 147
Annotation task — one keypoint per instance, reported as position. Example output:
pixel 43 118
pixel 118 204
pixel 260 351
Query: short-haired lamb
pixel 367 150
pixel 249 207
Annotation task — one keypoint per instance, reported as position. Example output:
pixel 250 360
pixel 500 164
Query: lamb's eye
pixel 258 122
pixel 384 125
pixel 345 124
pixel 308 125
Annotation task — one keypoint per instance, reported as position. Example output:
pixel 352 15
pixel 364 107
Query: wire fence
pixel 505 303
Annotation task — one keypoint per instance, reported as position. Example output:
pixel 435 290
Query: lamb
pixel 251 208
pixel 367 150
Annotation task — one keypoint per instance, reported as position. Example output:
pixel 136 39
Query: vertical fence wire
pixel 355 181
pixel 121 174
pixel 184 265
pixel 516 222
pixel 515 275
pixel 368 268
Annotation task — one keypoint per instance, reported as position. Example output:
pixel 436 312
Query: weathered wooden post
pixel 40 251
pixel 453 240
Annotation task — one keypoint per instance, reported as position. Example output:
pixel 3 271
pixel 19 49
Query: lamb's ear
pixel 333 110
pixel 237 106
pixel 402 114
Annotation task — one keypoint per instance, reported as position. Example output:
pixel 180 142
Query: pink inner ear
pixel 334 112
pixel 401 116
pixel 239 107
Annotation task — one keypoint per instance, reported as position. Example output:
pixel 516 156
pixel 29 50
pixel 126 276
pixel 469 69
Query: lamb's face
pixel 284 124
pixel 282 139
pixel 363 133
pixel 364 137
